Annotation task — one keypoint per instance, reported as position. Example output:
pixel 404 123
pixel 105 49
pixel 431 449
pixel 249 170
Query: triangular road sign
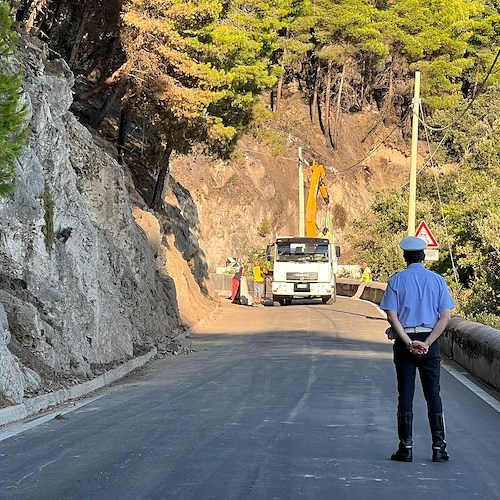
pixel 424 233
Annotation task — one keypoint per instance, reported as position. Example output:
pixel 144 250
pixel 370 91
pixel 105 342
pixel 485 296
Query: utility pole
pixel 302 230
pixel 413 156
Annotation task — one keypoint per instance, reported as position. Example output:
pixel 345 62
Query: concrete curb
pixel 31 406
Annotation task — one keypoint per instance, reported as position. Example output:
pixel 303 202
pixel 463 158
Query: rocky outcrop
pixel 81 285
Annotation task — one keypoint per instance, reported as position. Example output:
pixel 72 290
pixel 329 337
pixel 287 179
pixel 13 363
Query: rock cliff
pixel 82 285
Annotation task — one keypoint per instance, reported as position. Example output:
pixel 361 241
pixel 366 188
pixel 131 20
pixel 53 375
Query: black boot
pixel 436 422
pixel 404 452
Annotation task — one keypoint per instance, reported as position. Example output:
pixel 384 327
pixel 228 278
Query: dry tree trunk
pixel 328 93
pixel 387 105
pixel 114 95
pixel 336 123
pixel 79 34
pixel 162 180
pixel 38 6
pixel 363 90
pixel 111 80
pixel 314 103
pixel 122 128
pixel 386 109
pixel 279 91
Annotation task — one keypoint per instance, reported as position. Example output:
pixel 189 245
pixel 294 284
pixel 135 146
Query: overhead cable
pixel 377 146
pixel 441 209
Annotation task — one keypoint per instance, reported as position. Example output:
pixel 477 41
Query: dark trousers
pixel 429 370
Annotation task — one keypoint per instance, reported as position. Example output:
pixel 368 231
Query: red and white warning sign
pixel 424 233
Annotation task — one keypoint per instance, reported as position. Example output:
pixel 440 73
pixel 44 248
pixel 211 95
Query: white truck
pixel 303 268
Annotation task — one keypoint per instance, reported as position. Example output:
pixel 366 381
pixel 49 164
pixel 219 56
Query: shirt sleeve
pixel 445 299
pixel 390 299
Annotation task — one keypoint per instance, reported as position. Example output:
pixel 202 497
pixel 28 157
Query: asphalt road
pixel 276 403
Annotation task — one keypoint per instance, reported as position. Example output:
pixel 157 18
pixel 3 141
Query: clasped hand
pixel 419 348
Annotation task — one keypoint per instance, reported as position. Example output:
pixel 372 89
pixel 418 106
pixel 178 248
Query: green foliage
pixel 12 115
pixel 376 236
pixel 297 20
pixel 262 128
pixel 265 228
pixel 487 319
pixel 198 66
pixel 471 210
pixel 256 253
pixel 474 210
pixel 435 37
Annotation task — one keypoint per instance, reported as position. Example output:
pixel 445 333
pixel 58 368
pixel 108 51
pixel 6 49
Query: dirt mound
pixel 260 183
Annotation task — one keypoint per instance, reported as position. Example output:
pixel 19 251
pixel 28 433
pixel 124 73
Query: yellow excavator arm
pixel 317 184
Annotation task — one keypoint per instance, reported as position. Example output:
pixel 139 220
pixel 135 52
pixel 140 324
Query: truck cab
pixel 303 267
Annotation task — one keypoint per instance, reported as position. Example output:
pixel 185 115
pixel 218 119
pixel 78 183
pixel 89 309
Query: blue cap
pixel 412 244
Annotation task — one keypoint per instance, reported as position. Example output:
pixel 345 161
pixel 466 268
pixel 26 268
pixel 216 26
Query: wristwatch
pixel 409 344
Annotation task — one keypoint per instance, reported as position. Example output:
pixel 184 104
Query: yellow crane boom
pixel 317 184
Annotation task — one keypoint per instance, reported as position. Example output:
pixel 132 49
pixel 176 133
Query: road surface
pixel 295 402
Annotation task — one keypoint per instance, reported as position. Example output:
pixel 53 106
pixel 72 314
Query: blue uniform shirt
pixel 417 295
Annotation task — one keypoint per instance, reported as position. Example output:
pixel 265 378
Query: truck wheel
pixel 278 301
pixel 288 301
pixel 329 299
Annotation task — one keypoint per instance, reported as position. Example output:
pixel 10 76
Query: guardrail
pixel 474 346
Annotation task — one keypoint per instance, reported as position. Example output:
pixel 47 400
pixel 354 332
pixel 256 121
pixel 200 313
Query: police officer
pixel 417 302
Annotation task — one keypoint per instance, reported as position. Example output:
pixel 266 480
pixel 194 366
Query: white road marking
pixel 487 398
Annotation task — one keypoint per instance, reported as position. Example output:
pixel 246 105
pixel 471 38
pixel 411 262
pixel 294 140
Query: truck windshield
pixel 300 252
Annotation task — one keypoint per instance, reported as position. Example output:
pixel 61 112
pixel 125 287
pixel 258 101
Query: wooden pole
pixel 302 230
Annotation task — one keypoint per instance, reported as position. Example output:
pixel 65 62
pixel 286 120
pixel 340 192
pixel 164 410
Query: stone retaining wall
pixel 472 345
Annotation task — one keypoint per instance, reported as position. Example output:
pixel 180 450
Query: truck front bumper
pixel 305 289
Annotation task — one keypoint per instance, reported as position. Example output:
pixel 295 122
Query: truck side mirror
pixel 337 251
pixel 269 251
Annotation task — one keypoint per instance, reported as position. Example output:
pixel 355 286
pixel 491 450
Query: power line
pixel 376 147
pixel 428 127
pixel 429 160
pixel 421 120
pixel 269 154
pixel 441 210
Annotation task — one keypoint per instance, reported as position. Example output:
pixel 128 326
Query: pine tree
pixel 12 117
pixel 294 41
pixel 196 67
pixel 432 37
pixel 348 38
